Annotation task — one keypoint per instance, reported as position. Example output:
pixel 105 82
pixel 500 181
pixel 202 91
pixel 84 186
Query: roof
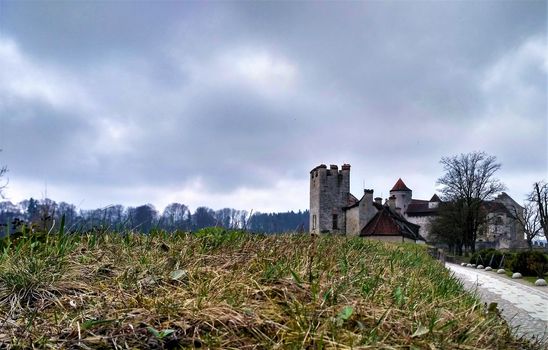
pixel 419 207
pixel 352 200
pixel 435 198
pixel 389 223
pixel 497 207
pixel 400 186
pixel 504 197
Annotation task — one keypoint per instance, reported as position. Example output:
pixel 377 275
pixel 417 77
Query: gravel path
pixel 523 305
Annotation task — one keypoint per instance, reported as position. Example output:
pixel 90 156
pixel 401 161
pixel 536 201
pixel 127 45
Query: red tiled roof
pixel 388 223
pixel 400 186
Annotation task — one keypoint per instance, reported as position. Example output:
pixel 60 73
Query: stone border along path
pixel 525 307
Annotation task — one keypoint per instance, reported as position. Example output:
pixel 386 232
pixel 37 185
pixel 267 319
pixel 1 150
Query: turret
pixel 402 195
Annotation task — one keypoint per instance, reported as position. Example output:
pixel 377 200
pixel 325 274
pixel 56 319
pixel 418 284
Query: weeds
pixel 228 289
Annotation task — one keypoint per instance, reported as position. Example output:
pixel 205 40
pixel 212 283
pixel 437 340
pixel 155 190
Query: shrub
pixel 509 260
pixel 487 257
pixel 530 264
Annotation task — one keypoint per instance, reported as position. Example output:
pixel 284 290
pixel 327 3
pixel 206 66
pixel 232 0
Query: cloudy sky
pixel 231 104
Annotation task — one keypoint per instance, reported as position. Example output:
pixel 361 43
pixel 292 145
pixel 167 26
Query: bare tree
pixel 539 197
pixel 529 219
pixel 174 216
pixel 469 180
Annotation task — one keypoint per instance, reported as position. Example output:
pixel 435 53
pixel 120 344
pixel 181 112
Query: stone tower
pixel 403 195
pixel 329 194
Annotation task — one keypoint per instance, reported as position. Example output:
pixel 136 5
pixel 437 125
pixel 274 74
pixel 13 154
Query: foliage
pixel 468 181
pixel 487 257
pixel 228 289
pixel 446 227
pixel 529 263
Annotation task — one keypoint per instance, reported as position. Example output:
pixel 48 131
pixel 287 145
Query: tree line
pixel 47 215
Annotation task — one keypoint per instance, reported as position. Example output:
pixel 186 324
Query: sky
pixel 231 104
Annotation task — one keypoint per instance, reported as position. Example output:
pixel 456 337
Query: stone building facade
pixel 502 229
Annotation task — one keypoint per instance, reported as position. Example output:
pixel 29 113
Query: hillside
pixel 220 289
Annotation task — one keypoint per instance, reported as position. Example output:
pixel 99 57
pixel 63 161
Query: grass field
pixel 217 289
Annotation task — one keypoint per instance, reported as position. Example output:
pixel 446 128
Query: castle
pixel 401 218
pixel 333 209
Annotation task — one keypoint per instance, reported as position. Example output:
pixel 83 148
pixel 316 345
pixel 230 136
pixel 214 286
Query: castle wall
pixel 424 222
pixel 395 239
pixel 352 221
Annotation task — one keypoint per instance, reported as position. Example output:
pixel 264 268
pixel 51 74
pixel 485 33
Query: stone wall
pixel 396 239
pixel 366 208
pixel 424 222
pixel 403 198
pixel 352 221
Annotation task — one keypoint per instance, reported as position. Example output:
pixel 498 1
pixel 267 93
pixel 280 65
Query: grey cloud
pixel 394 86
pixel 83 32
pixel 44 141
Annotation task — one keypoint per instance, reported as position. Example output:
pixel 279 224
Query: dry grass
pixel 235 290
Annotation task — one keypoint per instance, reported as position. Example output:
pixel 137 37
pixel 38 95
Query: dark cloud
pixel 209 99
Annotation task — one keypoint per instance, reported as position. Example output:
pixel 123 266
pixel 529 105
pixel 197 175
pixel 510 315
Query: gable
pixel 388 223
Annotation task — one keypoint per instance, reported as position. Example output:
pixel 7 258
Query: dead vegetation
pixel 219 289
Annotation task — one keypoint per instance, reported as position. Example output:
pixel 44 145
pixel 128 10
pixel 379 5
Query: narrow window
pixel 314 221
pixel 335 222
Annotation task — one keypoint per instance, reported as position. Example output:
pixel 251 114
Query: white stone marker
pixel 541 282
pixel 516 275
pixel 488 268
pixel 501 271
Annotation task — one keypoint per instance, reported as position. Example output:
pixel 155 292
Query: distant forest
pixel 47 215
